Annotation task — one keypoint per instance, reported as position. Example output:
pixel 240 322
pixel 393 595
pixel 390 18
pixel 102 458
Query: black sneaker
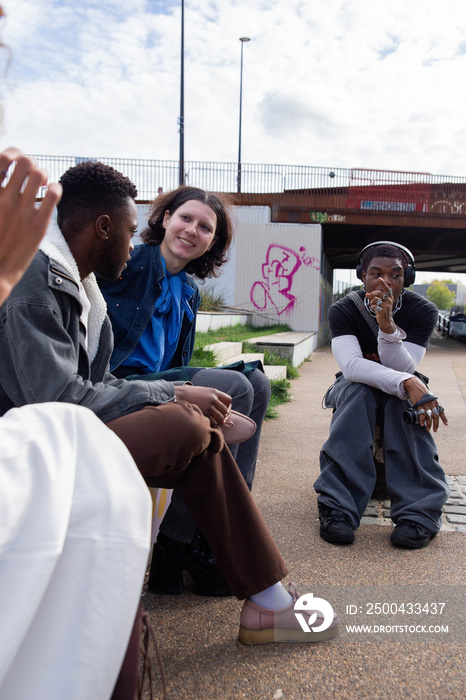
pixel 335 526
pixel 412 535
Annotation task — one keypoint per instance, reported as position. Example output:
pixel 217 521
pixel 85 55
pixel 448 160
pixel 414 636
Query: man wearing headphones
pixel 379 336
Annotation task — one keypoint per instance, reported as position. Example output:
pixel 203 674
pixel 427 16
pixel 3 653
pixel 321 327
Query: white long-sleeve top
pixel 399 361
pixel 355 345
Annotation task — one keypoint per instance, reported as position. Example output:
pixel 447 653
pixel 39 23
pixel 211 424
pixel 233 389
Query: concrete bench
pixel 295 346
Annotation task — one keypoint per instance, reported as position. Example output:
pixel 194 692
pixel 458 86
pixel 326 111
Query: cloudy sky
pixel 339 83
pixel 336 83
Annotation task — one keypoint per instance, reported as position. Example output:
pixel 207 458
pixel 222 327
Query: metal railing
pixel 316 188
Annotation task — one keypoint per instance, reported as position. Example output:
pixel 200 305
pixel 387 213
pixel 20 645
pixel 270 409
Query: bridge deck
pixel 436 238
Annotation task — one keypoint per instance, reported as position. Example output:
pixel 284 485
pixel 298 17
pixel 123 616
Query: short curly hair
pixel 90 189
pixel 384 250
pixel 208 265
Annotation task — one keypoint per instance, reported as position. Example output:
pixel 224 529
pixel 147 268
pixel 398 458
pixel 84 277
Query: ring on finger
pixel 435 411
pixel 421 410
pixel 429 413
pixel 440 409
pixel 379 302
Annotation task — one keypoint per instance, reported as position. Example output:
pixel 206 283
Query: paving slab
pixel 198 636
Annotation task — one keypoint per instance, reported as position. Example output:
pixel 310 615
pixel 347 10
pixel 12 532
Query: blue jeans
pixel 415 479
pixel 251 396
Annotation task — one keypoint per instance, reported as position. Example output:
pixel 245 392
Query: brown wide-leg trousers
pixel 174 446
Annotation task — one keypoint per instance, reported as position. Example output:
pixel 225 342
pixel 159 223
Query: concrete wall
pixel 325 299
pixel 210 321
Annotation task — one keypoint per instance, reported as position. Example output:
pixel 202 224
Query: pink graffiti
pixel 280 265
pixel 310 262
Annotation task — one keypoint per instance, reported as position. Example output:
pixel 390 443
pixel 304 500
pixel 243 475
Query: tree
pixel 439 294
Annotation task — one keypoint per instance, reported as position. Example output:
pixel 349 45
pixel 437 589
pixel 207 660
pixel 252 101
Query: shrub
pixel 211 301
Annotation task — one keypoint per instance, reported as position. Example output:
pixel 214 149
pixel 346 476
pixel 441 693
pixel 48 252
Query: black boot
pixel 170 558
pixel 335 526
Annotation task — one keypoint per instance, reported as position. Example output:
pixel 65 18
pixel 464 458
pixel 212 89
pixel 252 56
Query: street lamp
pixel 242 40
pixel 181 117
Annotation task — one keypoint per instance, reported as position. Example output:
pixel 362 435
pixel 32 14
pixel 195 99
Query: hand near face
pixel 214 404
pixel 381 302
pixel 22 225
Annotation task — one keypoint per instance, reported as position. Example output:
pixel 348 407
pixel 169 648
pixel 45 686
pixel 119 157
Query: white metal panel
pixel 252 215
pixel 278 273
pixel 142 214
pixel 224 285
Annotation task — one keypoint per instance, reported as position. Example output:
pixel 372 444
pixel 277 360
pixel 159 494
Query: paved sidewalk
pixel 197 636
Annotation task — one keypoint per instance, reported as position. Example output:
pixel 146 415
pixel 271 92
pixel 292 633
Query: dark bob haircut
pixel 208 265
pixel 89 190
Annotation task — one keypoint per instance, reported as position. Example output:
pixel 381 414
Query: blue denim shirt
pixel 131 302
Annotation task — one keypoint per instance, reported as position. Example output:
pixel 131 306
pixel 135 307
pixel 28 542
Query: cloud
pixel 284 115
pixel 391 47
pixel 350 83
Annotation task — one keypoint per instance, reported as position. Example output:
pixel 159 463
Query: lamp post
pixel 242 40
pixel 181 117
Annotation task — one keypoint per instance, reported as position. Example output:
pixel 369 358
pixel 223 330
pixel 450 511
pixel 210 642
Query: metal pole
pixel 181 117
pixel 238 179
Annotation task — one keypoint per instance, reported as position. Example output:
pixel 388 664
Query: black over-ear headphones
pixel 410 272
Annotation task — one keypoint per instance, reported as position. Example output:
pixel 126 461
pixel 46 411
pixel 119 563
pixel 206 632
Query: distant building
pixel 458 288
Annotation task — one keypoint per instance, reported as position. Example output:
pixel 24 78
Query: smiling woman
pixel 153 305
pixel 212 214
pixel 189 233
pixel 153 312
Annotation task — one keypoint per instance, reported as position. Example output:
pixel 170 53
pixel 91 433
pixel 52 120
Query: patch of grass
pixel 249 347
pixel 206 358
pixel 280 394
pixel 203 358
pixel 271 358
pixel 236 334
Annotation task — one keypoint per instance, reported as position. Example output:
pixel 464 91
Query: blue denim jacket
pixel 131 302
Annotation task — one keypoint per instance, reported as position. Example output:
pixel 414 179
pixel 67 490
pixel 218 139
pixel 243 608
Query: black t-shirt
pixel 417 317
